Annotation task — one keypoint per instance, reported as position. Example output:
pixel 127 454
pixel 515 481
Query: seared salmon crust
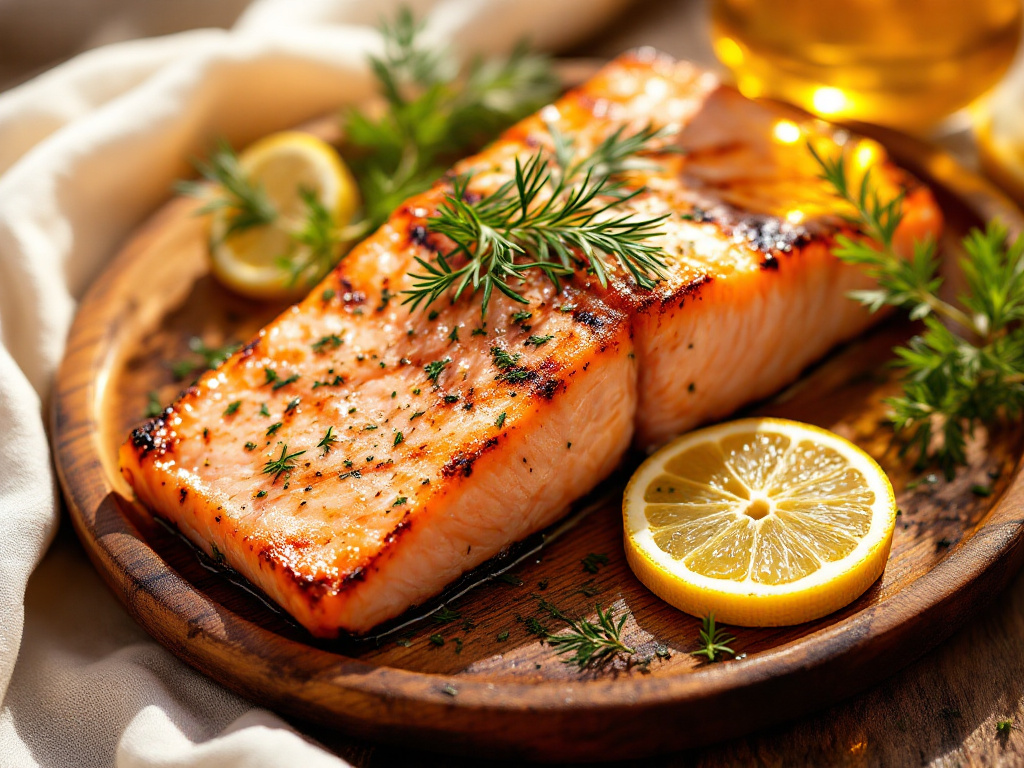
pixel 356 457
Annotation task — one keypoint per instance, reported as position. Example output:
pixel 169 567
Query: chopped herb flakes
pixel 400 501
pixel 435 368
pixel 264 411
pixel 538 341
pixel 500 421
pixel 274 427
pixel 445 615
pixel 233 408
pixel 332 341
pixel 437 639
pixel 285 382
pixel 503 360
pixel 593 562
pixel 250 446
pixel 292 404
pixel 399 438
pixel 337 381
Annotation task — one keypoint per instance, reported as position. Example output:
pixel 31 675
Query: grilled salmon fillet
pixel 356 457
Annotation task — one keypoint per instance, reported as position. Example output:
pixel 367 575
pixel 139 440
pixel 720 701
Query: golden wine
pixel 904 63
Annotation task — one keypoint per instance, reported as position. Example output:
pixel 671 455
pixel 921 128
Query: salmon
pixel 356 457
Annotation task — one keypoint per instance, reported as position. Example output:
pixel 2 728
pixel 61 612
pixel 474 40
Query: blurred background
pixel 942 69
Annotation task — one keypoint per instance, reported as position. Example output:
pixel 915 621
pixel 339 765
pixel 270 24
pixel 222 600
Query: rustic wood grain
pixel 476 691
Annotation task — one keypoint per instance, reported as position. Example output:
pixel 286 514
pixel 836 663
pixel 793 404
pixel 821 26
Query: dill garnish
pixel 556 210
pixel 203 358
pixel 328 441
pixel 591 643
pixel 715 640
pixel 594 561
pixel 434 114
pixel 285 382
pixel 538 341
pixel 283 463
pixel 333 340
pixel 246 202
pixel 967 367
pixel 435 368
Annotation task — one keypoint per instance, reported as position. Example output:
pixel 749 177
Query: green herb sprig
pixel 967 366
pixel 589 642
pixel 202 358
pixel 434 114
pixel 714 639
pixel 282 464
pixel 553 212
pixel 232 190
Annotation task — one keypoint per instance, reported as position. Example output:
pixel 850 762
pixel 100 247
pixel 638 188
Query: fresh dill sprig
pixel 548 217
pixel 203 357
pixel 247 203
pixel 590 643
pixel 967 366
pixel 434 113
pixel 328 441
pixel 315 245
pixel 315 241
pixel 715 640
pixel 283 463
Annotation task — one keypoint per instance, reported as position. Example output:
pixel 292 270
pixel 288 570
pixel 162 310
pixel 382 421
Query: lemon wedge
pixel 764 522
pixel 252 261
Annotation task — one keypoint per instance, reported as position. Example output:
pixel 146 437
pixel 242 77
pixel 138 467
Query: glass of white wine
pixel 901 63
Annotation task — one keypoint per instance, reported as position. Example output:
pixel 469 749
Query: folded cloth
pixel 87 150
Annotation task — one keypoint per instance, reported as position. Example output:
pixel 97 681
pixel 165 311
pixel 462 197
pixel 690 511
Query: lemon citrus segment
pixel 764 522
pixel 283 165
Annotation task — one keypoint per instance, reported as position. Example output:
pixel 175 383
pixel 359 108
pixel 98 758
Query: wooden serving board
pixel 492 688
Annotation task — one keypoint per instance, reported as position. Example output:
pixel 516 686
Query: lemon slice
pixel 283 164
pixel 765 522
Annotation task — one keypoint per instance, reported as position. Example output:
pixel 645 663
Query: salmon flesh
pixel 453 436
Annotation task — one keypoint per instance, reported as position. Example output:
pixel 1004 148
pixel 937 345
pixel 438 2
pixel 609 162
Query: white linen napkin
pixel 87 151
